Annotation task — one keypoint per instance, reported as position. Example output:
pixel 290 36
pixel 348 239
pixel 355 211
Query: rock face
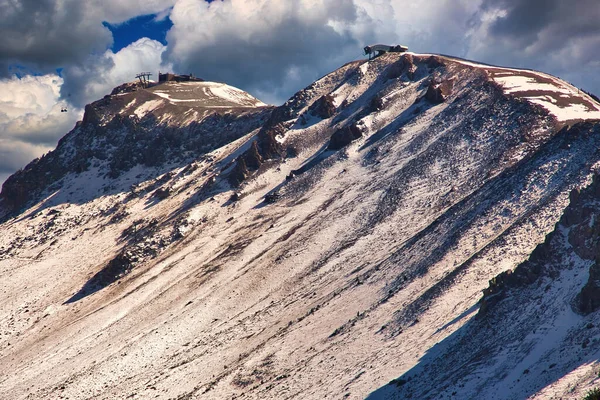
pixel 323 108
pixel 344 136
pixel 438 92
pixel 335 246
pixel 127 129
pixel 580 226
pixel 588 299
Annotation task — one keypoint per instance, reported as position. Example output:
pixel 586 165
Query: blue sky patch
pixel 136 28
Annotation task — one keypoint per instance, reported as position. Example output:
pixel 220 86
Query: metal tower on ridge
pixel 144 78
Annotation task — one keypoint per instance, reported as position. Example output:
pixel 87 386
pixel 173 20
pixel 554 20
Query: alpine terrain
pixel 413 226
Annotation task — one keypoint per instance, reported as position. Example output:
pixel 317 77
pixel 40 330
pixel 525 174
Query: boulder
pixel 435 93
pixel 162 193
pixel 344 136
pixel 323 107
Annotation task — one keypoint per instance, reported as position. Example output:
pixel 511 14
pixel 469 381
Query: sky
pixel 68 53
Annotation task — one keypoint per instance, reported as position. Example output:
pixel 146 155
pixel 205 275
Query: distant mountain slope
pixel 147 127
pixel 217 248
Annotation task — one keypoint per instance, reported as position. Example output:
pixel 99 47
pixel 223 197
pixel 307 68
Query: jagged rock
pixel 344 136
pixel 125 88
pixel 323 107
pixel 435 94
pixel 271 198
pixel 376 103
pixel 163 193
pixel 524 274
pixel 253 158
pixel 434 62
pixel 405 65
pixel 269 147
pixel 91 115
pixel 239 172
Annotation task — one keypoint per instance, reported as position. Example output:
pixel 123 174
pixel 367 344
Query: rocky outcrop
pixel 248 162
pixel 436 93
pixel 405 65
pixel 323 107
pixel 580 225
pixel 91 115
pixel 267 146
pixel 525 274
pixel 344 136
pixel 126 88
pixel 20 187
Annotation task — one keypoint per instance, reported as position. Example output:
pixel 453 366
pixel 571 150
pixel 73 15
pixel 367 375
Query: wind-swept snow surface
pixel 320 249
pixel 206 94
pixel 564 101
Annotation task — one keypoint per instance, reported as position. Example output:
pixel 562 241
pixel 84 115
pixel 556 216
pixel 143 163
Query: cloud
pixel 31 121
pixel 47 34
pixel 98 75
pixel 555 36
pixel 267 46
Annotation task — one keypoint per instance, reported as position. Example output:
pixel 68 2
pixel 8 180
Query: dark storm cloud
pixel 527 18
pixel 555 36
pixel 43 35
pixel 267 47
pixel 46 34
pixel 297 54
pixel 76 88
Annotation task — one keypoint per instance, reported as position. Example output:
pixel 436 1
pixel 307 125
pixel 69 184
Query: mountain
pixel 414 226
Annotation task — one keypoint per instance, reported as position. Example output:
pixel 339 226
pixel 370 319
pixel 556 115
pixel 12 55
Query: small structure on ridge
pixel 375 50
pixel 144 78
pixel 169 77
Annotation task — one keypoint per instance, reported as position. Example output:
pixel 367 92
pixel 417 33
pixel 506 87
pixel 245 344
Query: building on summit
pixel 169 77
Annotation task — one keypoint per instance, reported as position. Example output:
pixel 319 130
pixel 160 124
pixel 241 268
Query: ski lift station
pixel 375 50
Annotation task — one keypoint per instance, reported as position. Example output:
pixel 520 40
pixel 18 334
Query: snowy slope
pixel 206 95
pixel 318 251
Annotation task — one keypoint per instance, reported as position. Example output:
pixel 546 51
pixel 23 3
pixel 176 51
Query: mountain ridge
pixel 324 247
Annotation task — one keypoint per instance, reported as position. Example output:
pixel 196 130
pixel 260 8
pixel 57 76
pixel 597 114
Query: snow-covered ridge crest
pixel 564 101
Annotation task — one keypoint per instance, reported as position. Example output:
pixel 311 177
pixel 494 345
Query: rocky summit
pixel 412 226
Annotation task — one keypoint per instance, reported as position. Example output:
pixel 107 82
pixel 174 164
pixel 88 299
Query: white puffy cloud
pixel 98 75
pixel 31 121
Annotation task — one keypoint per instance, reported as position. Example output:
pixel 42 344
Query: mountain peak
pixel 336 246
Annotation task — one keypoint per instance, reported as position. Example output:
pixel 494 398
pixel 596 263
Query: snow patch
pixel 147 107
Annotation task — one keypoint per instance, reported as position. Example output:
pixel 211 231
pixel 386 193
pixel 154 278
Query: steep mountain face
pixel 189 242
pixel 174 122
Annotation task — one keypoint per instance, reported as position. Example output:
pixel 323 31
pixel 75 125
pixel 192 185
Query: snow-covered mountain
pixel 187 241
